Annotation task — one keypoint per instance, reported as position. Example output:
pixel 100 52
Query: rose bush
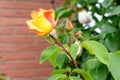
pixel 85 44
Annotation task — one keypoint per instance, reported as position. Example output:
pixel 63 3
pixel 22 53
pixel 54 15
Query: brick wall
pixel 19 47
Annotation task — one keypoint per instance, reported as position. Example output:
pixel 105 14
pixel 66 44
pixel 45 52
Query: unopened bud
pixel 77 35
pixel 68 25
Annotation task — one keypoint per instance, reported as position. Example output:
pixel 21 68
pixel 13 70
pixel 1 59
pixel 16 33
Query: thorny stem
pixel 73 61
pixel 68 53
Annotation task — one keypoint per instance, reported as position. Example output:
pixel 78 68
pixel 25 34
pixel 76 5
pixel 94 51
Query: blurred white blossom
pixel 97 5
pixel 100 1
pixel 98 30
pixel 99 17
pixel 107 14
pixel 92 23
pixel 83 16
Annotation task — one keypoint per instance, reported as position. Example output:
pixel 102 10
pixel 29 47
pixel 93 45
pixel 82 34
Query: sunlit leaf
pixel 115 10
pixel 97 49
pixel 114 66
pixel 48 52
pixel 73 50
pixel 74 78
pixel 57 77
pixel 60 58
pixel 107 3
pixel 59 71
pixel 83 73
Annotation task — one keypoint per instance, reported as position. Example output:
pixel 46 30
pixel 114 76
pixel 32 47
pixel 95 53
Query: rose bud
pixel 83 16
pixel 68 25
pixel 42 22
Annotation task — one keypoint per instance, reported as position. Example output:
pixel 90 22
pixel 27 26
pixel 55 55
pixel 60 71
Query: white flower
pixel 92 23
pixel 98 30
pixel 99 17
pixel 83 16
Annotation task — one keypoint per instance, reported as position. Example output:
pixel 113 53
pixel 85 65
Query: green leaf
pixel 74 78
pixel 83 73
pixel 96 69
pixel 112 42
pixel 107 28
pixel 63 12
pixel 98 50
pixel 107 3
pixel 59 71
pixel 48 52
pixel 115 10
pixel 73 50
pixel 114 66
pixel 91 63
pixel 58 10
pixel 52 59
pixel 60 58
pixel 57 77
pixel 117 53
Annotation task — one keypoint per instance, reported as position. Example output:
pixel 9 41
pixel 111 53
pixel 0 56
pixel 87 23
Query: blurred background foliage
pixel 104 28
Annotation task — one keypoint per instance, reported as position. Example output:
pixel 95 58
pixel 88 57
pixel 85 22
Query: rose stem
pixel 73 61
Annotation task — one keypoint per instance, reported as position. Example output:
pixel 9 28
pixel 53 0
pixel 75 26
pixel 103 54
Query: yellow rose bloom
pixel 42 22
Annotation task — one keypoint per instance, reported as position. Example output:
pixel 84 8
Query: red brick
pixel 46 71
pixel 41 40
pixel 15 5
pixel 13 21
pixel 30 47
pixel 20 56
pixel 7 30
pixel 23 30
pixel 7 65
pixel 32 78
pixel 20 47
pixel 23 5
pixel 7 48
pixel 4 12
pixel 59 1
pixel 31 65
pixel 22 13
pixel 15 13
pixel 20 73
pixel 17 39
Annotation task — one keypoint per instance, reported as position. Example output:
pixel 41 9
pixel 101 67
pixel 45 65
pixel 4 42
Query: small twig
pixel 73 61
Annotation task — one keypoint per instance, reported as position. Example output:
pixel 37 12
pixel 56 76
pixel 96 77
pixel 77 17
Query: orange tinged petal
pixel 42 21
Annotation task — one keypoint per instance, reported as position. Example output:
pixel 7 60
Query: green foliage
pixel 98 50
pixel 115 10
pixel 58 77
pixel 51 50
pixel 60 58
pixel 114 66
pixel 99 57
pixel 96 69
pixel 107 3
pixel 83 73
pixel 73 50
